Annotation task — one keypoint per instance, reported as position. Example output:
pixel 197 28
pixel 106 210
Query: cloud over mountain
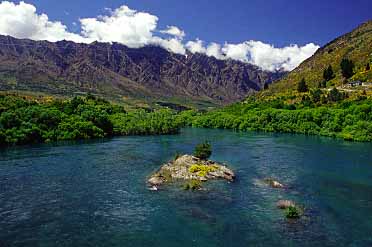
pixel 137 29
pixel 175 31
pixel 22 21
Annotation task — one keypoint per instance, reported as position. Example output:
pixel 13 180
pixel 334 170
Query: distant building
pixel 354 83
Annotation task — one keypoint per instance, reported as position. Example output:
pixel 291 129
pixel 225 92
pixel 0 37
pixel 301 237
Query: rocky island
pixel 193 169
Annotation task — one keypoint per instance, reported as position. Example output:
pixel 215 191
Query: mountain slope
pixel 356 45
pixel 116 71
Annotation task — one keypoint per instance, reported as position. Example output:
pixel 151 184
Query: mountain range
pixel 118 72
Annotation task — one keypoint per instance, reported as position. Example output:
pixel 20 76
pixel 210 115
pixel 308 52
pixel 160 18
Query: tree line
pixel 347 119
pixel 347 71
pixel 316 112
pixel 27 121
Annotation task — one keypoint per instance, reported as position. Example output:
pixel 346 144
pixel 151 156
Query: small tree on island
pixel 203 150
pixel 302 87
pixel 347 68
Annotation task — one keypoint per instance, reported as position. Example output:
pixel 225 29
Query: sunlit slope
pixel 356 45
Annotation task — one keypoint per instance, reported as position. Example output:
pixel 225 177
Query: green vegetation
pixel 202 170
pixel 302 86
pixel 193 185
pixel 326 113
pixel 292 212
pixel 24 121
pixel 347 68
pixel 313 99
pixel 140 122
pixel 323 112
pixel 328 74
pixel 177 155
pixel 203 150
pixel 355 46
pixel 335 95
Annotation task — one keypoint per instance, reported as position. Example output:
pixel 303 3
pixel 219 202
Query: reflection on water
pixel 94 194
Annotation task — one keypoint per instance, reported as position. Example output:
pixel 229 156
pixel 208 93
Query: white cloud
pixel 22 21
pixel 270 58
pixel 214 50
pixel 236 51
pixel 196 46
pixel 137 29
pixel 124 25
pixel 258 53
pixel 174 31
pixel 174 45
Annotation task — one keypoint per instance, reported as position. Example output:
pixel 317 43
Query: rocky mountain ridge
pixel 116 71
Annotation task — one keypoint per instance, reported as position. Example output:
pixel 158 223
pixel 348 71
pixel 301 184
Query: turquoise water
pixel 94 193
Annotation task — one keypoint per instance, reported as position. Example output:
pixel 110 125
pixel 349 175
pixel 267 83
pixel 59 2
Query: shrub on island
pixel 203 150
pixel 193 185
pixel 292 212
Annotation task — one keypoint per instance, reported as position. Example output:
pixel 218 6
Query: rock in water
pixel 276 184
pixel 284 204
pixel 273 183
pixel 188 167
pixel 153 188
pixel 156 180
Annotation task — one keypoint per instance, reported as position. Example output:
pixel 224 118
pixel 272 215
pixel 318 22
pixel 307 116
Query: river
pixel 93 193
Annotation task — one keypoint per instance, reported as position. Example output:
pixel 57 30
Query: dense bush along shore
pixel 27 121
pixel 24 121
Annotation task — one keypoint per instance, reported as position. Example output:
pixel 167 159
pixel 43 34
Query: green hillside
pixel 356 46
pixel 313 99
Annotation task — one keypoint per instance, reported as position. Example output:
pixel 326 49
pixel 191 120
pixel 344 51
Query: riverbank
pixel 349 119
pixel 24 121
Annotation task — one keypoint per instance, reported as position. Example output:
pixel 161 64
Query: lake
pixel 94 193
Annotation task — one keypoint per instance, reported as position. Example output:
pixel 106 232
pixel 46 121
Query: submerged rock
pixel 188 167
pixel 273 183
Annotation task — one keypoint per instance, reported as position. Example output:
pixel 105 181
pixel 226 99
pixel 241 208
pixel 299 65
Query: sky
pixel 274 35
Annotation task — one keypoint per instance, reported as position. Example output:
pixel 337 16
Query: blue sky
pixel 274 34
pixel 278 22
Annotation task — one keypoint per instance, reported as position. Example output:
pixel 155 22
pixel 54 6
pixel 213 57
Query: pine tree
pixel 335 95
pixel 347 68
pixel 302 87
pixel 320 85
pixel 328 73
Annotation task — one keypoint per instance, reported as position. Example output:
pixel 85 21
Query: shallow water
pixel 94 193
